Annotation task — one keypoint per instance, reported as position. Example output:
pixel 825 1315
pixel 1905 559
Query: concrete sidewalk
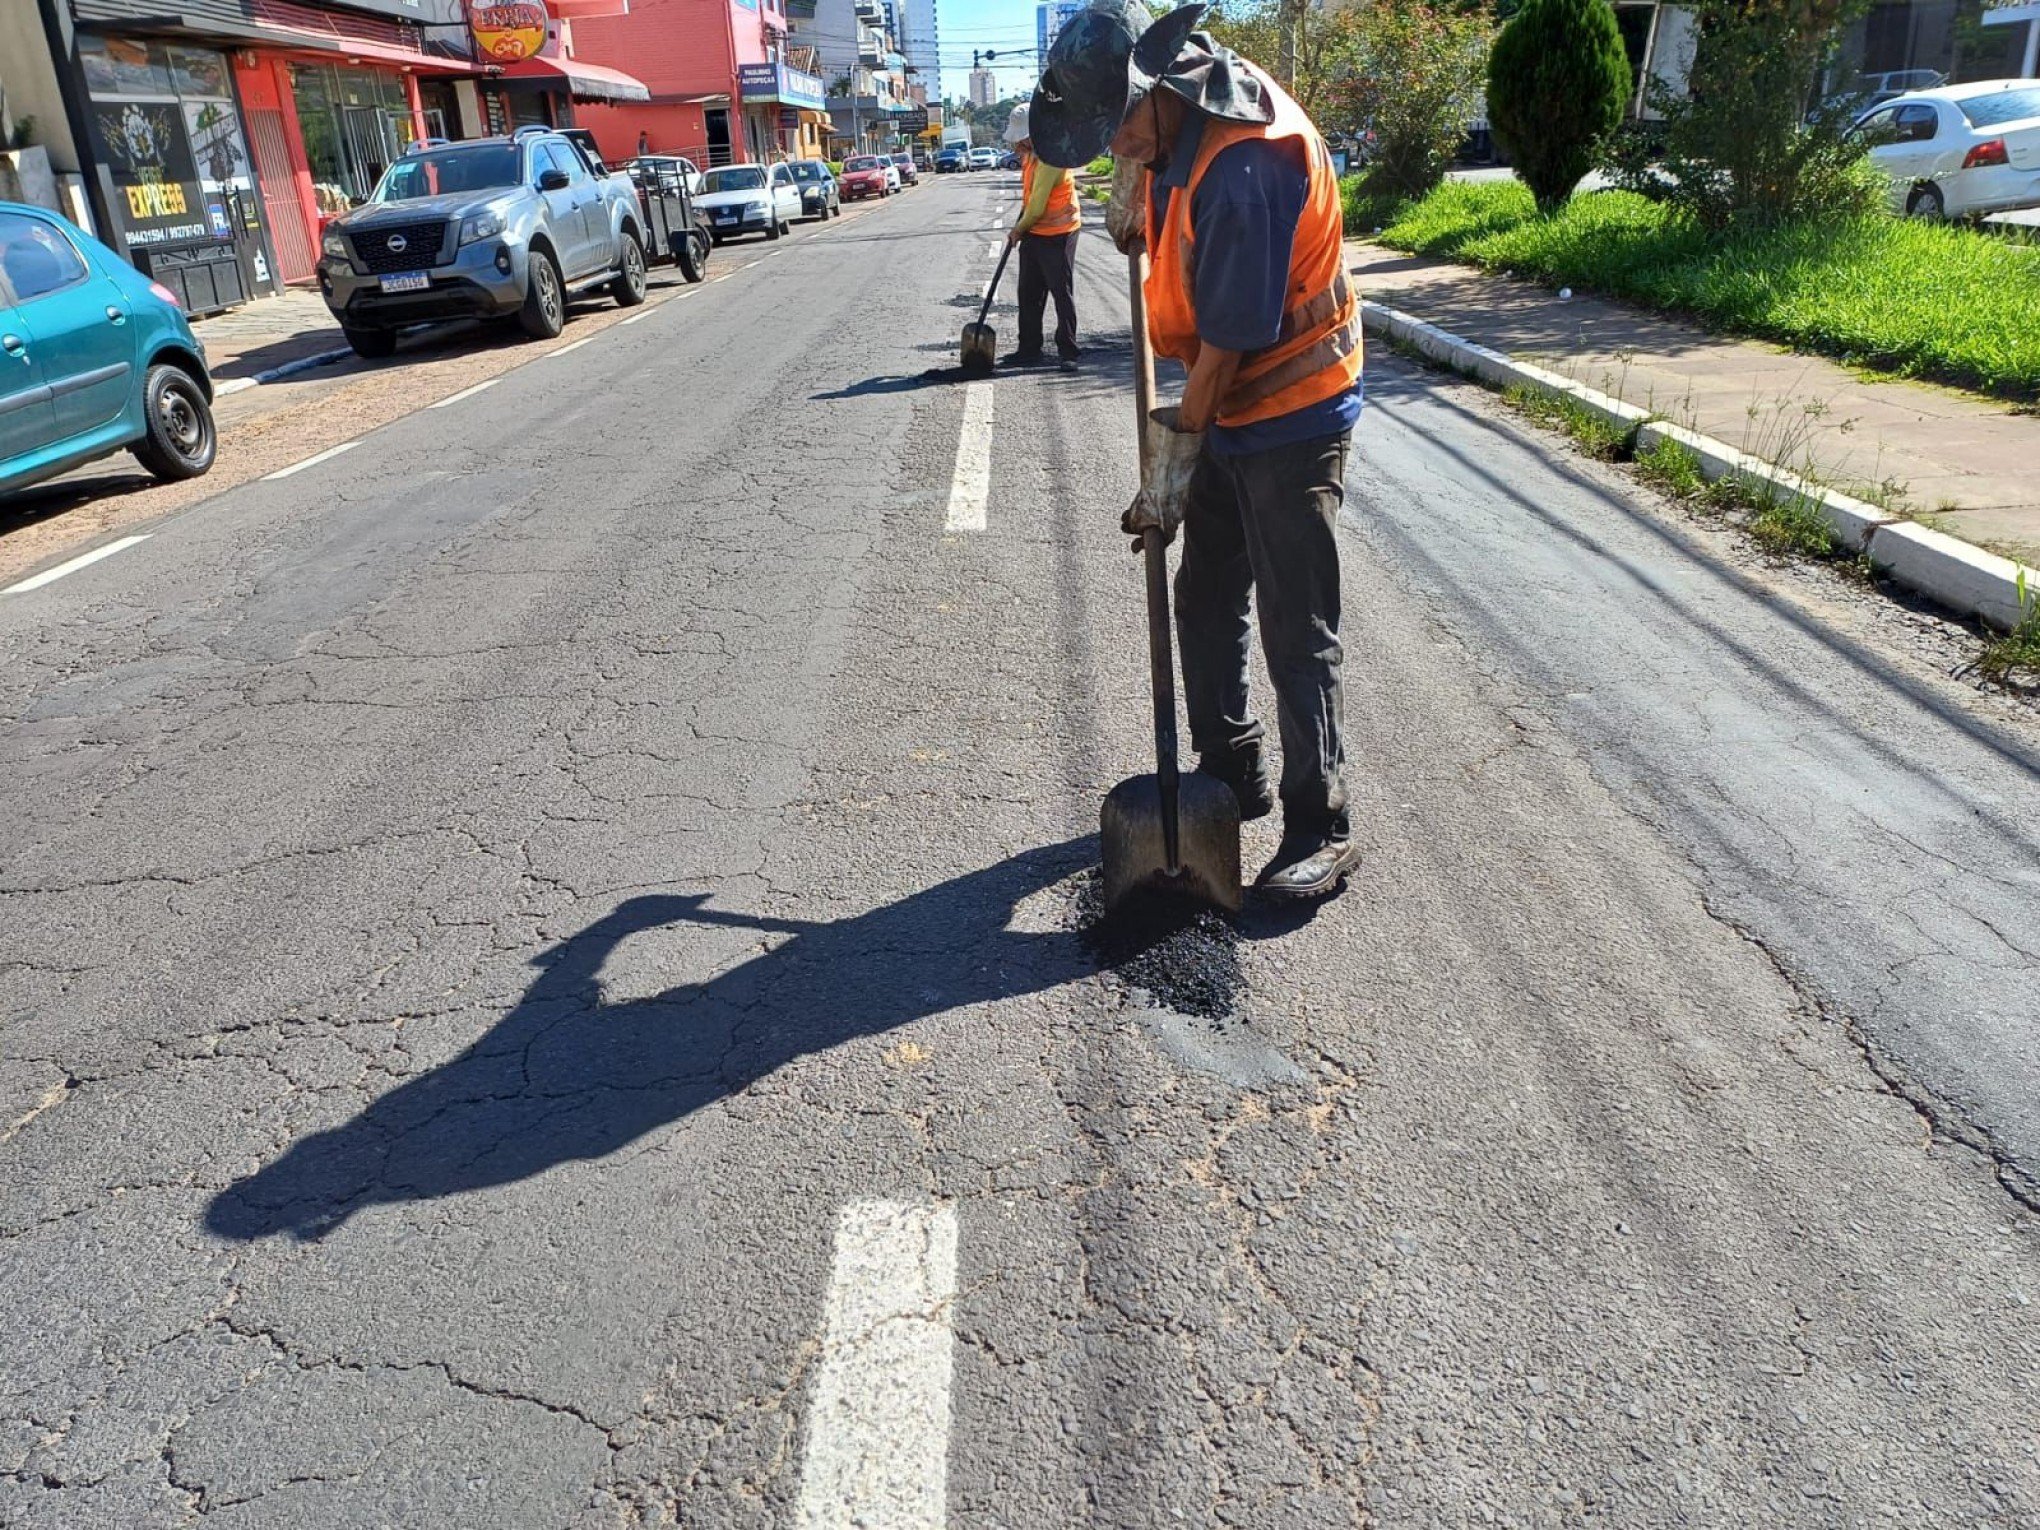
pixel 243 344
pixel 1968 465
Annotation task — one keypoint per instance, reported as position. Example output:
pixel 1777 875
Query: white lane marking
pixel 992 251
pixel 878 1427
pixel 575 346
pixel 454 398
pixel 645 314
pixel 312 461
pixel 51 575
pixel 972 485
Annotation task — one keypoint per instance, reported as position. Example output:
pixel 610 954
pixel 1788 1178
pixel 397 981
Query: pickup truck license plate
pixel 406 281
pixel 725 217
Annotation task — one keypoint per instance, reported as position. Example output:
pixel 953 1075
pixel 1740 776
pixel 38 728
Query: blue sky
pixel 980 24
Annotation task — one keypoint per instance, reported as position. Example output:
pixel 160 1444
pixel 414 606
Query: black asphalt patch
pixel 1184 955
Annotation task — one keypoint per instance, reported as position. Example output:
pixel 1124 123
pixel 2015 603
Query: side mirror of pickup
pixel 552 180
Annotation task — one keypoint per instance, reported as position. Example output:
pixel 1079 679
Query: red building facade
pixel 691 55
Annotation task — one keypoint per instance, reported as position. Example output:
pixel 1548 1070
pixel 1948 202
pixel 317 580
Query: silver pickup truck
pixel 491 227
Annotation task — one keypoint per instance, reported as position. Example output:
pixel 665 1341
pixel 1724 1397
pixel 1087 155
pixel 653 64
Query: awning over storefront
pixel 284 26
pixel 585 82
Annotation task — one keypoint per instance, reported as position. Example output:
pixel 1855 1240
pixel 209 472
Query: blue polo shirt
pixel 1244 221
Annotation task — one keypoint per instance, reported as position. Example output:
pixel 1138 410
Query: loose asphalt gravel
pixel 546 980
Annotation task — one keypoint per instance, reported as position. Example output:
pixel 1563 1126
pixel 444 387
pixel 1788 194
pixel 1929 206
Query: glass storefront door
pixel 355 122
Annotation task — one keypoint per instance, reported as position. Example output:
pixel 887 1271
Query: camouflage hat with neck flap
pixel 1108 57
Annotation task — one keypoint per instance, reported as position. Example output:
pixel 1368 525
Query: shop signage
pixel 778 82
pixel 145 142
pixel 913 120
pixel 507 31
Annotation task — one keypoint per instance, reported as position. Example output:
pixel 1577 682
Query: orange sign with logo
pixel 507 31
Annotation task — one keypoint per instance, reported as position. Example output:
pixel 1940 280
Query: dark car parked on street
pixel 94 358
pixel 949 161
pixel 910 173
pixel 819 197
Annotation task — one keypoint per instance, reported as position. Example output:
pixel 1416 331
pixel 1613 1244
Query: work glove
pixel 1165 490
pixel 1126 210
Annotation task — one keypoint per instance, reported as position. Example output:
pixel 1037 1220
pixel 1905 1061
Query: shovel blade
pixel 1207 842
pixel 980 348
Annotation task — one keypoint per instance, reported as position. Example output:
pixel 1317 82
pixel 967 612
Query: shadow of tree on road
pixel 565 1075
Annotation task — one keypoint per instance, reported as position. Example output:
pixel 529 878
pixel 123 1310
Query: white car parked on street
pixel 749 199
pixel 1959 151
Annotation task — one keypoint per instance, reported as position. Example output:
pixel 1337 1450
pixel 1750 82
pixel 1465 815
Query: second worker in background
pixel 1046 232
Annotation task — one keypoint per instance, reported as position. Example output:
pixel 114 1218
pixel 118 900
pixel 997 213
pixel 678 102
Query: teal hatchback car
pixel 94 359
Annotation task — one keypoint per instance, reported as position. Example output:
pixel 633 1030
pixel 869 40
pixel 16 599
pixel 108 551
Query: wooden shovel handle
pixel 1143 351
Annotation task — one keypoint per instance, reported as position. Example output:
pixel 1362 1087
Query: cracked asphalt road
pixel 475 914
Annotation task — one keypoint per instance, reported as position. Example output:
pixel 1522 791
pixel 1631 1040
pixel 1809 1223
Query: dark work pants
pixel 1264 524
pixel 1048 269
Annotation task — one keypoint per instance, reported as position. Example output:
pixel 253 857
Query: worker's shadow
pixel 908 382
pixel 566 1076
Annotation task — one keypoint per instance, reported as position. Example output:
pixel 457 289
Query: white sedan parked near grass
pixel 1959 151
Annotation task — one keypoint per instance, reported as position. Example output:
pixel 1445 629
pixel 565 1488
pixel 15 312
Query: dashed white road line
pixel 878 1427
pixel 992 252
pixel 314 460
pixel 574 346
pixel 454 398
pixel 643 313
pixel 972 485
pixel 51 575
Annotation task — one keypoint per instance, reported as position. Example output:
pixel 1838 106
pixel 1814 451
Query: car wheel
pixel 1926 202
pixel 691 250
pixel 544 313
pixel 178 439
pixel 371 343
pixel 772 228
pixel 836 211
pixel 629 287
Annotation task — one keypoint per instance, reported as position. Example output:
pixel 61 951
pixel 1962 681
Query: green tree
pixel 1412 78
pixel 1265 30
pixel 1557 82
pixel 1745 138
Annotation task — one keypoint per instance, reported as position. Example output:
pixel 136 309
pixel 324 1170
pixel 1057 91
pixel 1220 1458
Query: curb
pixel 278 373
pixel 1945 569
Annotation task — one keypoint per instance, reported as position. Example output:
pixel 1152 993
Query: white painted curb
pixel 288 369
pixel 1964 578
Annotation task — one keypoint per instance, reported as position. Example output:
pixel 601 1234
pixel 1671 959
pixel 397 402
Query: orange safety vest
pixel 1316 354
pixel 1060 216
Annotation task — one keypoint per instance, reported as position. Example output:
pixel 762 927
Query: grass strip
pixel 1900 295
pixel 1599 438
pixel 2017 653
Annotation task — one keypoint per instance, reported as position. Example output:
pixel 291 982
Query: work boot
pixel 1067 364
pixel 1249 786
pixel 1022 359
pixel 1309 864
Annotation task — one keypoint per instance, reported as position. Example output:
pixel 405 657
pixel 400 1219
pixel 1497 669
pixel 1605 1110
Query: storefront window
pixel 355 123
pixel 166 123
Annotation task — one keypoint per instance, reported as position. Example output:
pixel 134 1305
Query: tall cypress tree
pixel 1557 82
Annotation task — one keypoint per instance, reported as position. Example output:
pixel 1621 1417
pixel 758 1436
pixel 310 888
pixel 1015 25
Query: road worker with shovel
pixel 1233 192
pixel 1046 233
